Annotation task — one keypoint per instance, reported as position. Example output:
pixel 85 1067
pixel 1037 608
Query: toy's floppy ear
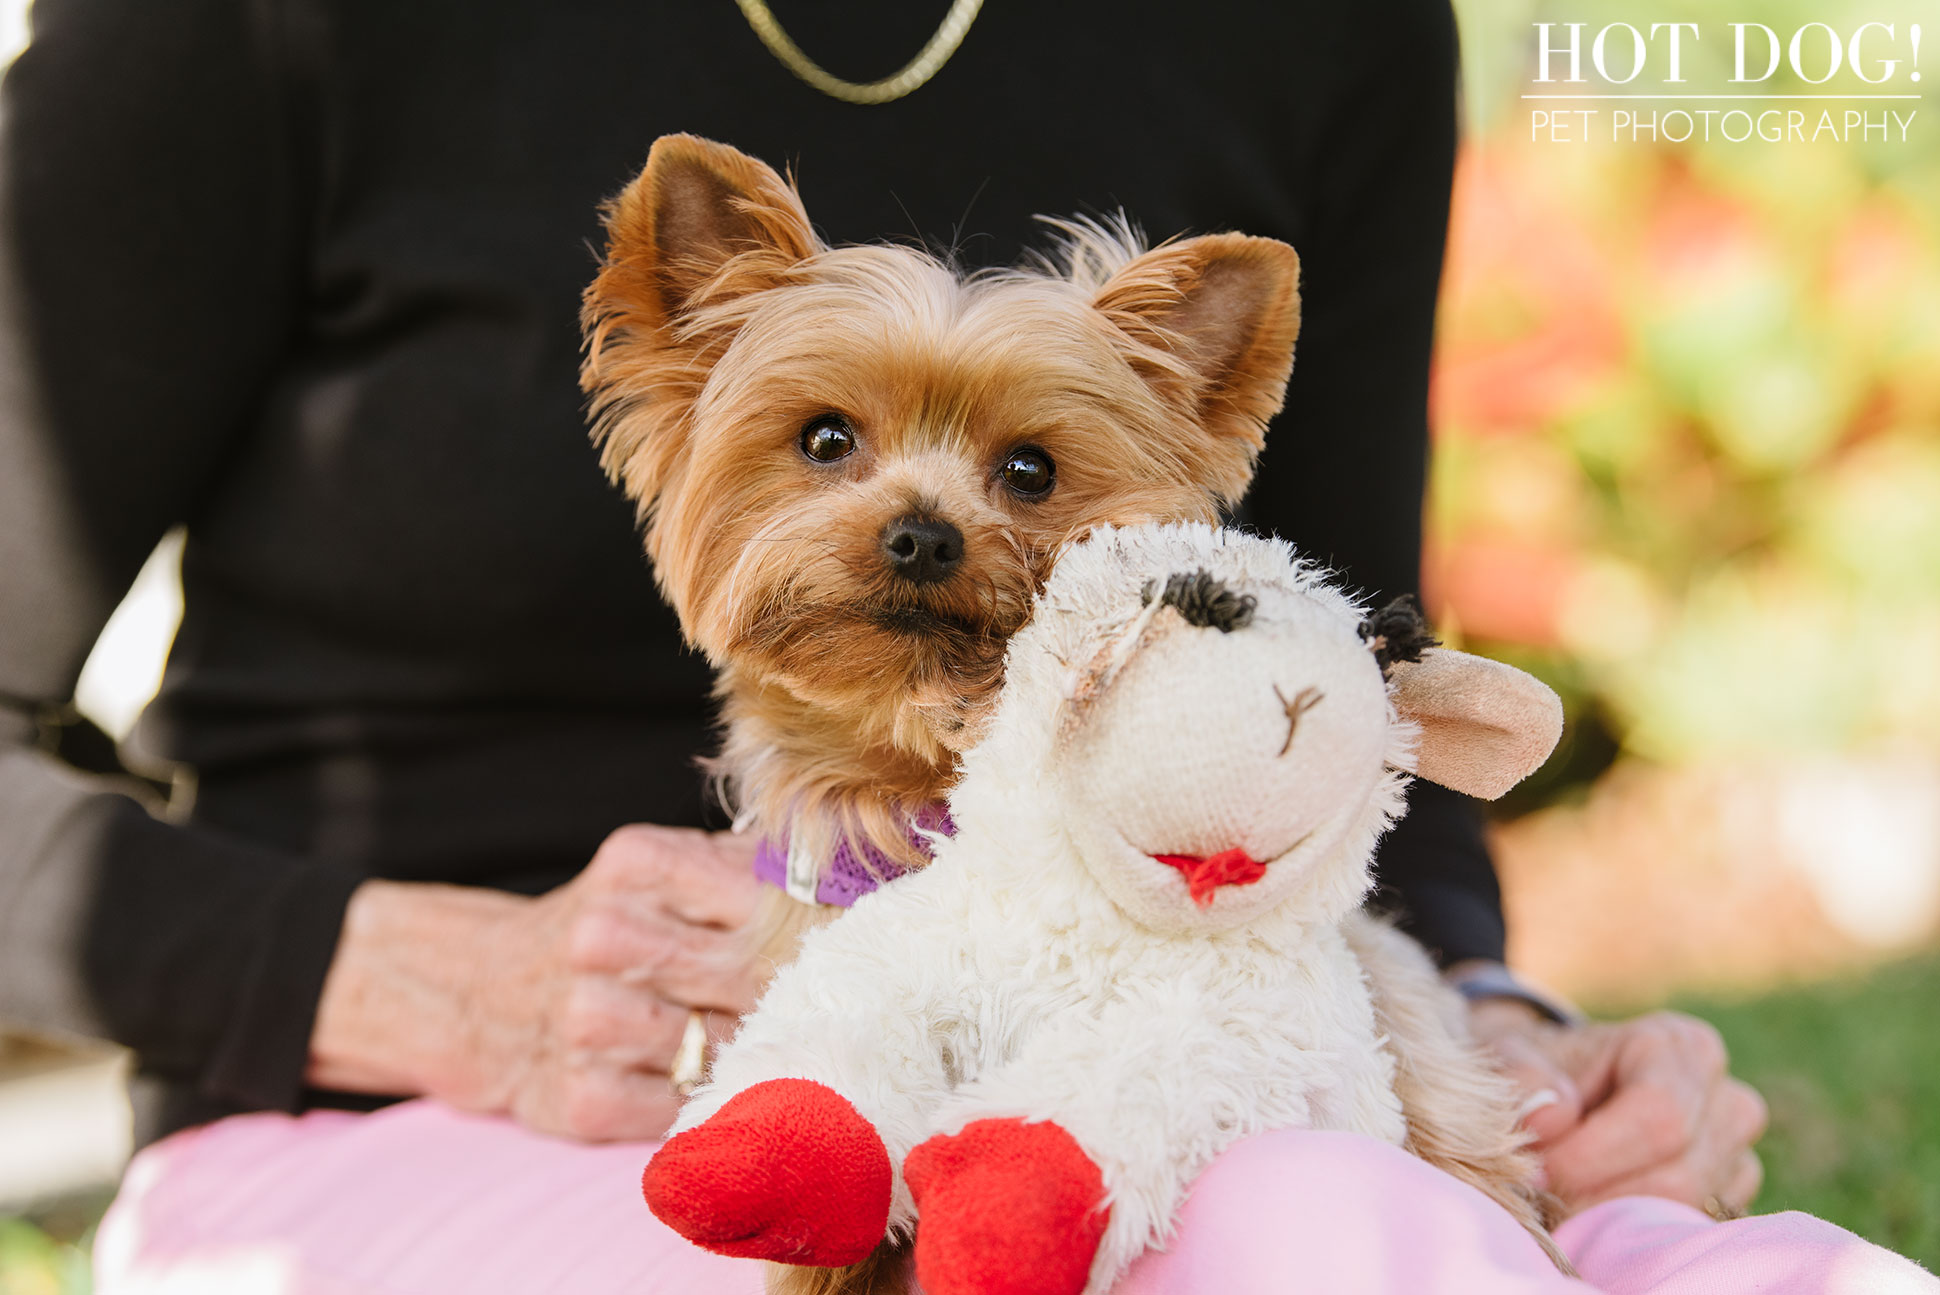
pixel 1214 321
pixel 1485 726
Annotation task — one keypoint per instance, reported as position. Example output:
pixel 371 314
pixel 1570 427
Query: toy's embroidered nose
pixel 1204 876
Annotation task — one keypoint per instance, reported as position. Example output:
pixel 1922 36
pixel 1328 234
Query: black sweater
pixel 303 277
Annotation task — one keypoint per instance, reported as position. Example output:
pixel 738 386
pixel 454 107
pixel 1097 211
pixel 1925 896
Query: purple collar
pixel 854 871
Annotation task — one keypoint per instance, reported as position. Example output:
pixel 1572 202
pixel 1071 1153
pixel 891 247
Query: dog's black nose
pixel 921 549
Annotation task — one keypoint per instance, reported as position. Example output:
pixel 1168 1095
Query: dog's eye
pixel 827 438
pixel 1029 471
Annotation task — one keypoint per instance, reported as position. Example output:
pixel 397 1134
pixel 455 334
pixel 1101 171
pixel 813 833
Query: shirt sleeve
pixel 1345 466
pixel 147 273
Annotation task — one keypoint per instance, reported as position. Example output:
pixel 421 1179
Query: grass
pixel 35 1262
pixel 1851 1069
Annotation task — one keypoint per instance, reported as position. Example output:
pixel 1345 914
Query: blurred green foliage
pixel 1688 405
pixel 1851 1069
pixel 34 1263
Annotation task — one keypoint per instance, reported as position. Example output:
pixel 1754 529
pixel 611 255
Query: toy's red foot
pixel 787 1171
pixel 1005 1208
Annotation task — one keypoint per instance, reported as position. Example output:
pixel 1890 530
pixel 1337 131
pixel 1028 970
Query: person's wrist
pixel 1497 995
pixel 401 1012
pixel 1491 1019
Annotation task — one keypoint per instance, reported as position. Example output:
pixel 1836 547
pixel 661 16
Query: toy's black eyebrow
pixel 1397 632
pixel 1203 600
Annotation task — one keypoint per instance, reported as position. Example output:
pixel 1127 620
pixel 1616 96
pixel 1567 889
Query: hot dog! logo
pixel 1633 83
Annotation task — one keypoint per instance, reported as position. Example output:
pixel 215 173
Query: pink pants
pixel 420 1200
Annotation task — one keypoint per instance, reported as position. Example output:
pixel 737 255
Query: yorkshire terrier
pixel 855 466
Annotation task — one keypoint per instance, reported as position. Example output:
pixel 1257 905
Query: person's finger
pixel 605 1016
pixel 619 939
pixel 1733 1120
pixel 693 966
pixel 703 966
pixel 1730 1189
pixel 1649 1122
pixel 1747 1176
pixel 1704 1164
pixel 1743 1113
pixel 602 1104
pixel 716 886
pixel 1549 1105
pixel 703 878
pixel 1600 1057
pixel 1673 1181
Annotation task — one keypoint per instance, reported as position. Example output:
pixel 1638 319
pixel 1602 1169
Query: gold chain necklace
pixel 928 61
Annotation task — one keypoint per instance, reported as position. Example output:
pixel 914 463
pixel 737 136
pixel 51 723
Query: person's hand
pixel 584 997
pixel 565 1010
pixel 1644 1107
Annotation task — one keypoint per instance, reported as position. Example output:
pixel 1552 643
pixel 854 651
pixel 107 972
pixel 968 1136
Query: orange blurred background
pixel 1687 403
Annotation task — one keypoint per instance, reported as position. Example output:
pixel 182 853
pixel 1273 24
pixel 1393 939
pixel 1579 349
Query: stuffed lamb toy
pixel 1142 943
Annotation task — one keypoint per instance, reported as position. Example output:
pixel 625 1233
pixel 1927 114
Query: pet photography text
pixel 1672 82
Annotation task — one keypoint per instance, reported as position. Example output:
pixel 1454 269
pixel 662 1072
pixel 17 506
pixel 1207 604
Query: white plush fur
pixel 1045 966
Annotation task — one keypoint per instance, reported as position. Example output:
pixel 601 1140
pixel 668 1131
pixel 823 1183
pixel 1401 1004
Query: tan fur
pixel 719 325
pixel 887 1271
pixel 1461 1112
pixel 781 922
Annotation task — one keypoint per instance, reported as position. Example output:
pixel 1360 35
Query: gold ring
pixel 689 1066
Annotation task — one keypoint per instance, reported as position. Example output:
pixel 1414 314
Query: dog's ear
pixel 702 225
pixel 1485 726
pixel 1213 322
pixel 702 222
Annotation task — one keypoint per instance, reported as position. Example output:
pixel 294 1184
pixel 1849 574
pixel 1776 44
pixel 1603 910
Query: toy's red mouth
pixel 1205 876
